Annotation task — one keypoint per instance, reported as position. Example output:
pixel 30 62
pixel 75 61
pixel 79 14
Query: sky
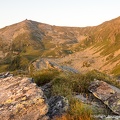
pixel 78 13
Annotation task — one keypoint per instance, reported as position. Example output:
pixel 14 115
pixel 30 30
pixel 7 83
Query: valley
pixel 97 46
pixel 76 70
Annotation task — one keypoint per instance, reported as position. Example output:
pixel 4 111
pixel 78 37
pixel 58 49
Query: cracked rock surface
pixel 21 100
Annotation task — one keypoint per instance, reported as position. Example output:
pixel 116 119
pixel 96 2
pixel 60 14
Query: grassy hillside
pixel 31 40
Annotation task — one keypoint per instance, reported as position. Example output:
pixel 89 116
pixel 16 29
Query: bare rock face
pixel 21 100
pixel 108 94
pixel 41 64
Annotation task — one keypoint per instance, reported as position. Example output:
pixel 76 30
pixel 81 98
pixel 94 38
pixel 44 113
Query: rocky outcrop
pixel 57 106
pixel 108 94
pixel 49 64
pixel 21 100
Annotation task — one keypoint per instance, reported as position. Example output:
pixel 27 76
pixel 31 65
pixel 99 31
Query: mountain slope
pixel 37 35
pixel 107 43
pixel 24 42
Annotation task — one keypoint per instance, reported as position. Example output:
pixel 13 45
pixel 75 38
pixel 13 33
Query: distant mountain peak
pixel 40 39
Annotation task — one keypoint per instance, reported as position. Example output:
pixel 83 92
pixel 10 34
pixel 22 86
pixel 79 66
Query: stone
pixel 20 99
pixel 47 89
pixel 43 63
pixel 4 75
pixel 57 106
pixel 109 95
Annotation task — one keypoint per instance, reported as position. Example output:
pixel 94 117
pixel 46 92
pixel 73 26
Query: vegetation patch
pixel 68 84
pixel 44 76
pixel 77 111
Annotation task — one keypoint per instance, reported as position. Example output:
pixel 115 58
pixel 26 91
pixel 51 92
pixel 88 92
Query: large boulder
pixel 21 100
pixel 108 94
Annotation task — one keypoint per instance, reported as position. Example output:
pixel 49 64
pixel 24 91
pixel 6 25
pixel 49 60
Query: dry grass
pixel 77 111
pixel 69 117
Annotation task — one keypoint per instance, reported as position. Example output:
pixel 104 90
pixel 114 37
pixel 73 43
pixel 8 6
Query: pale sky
pixel 59 12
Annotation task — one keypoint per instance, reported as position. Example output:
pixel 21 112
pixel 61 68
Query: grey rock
pixel 109 95
pixel 47 89
pixel 103 117
pixel 4 75
pixel 49 64
pixel 57 105
pixel 31 80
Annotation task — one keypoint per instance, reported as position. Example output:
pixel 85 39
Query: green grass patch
pixel 44 76
pixel 68 84
pixel 77 111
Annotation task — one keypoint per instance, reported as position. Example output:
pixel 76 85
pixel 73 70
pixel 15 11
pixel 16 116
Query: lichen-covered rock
pixel 47 89
pixel 57 106
pixel 110 95
pixel 41 64
pixel 21 100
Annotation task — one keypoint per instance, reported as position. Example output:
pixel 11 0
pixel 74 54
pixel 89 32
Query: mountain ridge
pixel 31 39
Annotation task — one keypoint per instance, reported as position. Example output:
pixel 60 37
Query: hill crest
pixel 31 39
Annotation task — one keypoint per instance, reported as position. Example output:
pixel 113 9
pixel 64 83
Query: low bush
pixel 62 85
pixel 44 76
pixel 94 74
pixel 67 83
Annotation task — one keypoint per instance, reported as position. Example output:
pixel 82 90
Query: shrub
pixel 15 63
pixel 61 85
pixel 24 63
pixel 18 62
pixel 67 83
pixel 44 76
pixel 94 74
